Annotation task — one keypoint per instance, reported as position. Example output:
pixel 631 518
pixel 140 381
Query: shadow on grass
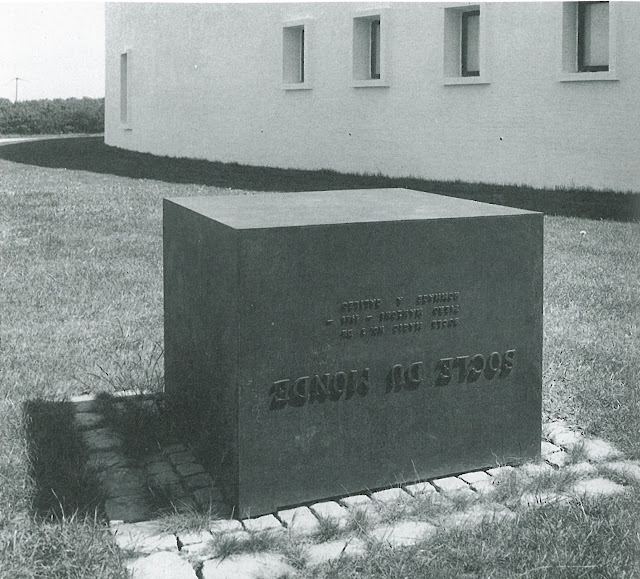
pixel 65 483
pixel 91 154
pixel 57 457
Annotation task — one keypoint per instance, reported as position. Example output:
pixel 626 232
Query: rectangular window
pixel 375 48
pixel 593 36
pixel 301 52
pixel 589 41
pixel 465 51
pixel 470 44
pixel 293 55
pixel 368 50
pixel 124 88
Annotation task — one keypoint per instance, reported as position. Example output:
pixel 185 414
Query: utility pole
pixel 17 79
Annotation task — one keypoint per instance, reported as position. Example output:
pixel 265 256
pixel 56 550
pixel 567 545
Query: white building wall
pixel 205 81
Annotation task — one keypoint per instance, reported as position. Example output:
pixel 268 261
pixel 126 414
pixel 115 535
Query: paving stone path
pixel 326 531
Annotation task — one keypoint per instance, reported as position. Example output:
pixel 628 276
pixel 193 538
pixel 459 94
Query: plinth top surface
pixel 269 210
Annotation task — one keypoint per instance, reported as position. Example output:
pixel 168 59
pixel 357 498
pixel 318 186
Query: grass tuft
pixel 360 521
pixel 227 545
pixel 430 505
pixel 329 529
pixel 75 546
pixel 144 423
pixel 136 365
pixel 295 554
pixel 179 520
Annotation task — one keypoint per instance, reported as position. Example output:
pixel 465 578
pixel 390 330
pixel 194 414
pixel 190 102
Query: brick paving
pixel 298 537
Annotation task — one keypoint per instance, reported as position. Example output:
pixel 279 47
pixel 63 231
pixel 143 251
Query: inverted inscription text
pixel 318 388
pixel 367 317
pixel 469 368
pixel 355 305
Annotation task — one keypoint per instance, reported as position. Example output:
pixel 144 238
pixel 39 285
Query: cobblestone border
pixel 156 554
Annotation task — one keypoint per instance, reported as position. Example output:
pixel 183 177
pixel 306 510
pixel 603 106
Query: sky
pixel 58 48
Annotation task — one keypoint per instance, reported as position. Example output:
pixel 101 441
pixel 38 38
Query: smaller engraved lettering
pixel 440 324
pixel 355 305
pixel 449 309
pixel 376 330
pixel 372 331
pixel 404 328
pixel 409 314
pixel 436 298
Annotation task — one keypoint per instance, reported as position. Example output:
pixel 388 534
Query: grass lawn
pixel 81 299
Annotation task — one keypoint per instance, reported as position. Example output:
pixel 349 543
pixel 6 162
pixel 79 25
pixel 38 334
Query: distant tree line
pixel 52 116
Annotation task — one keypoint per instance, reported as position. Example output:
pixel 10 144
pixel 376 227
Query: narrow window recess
pixel 464 46
pixel 295 56
pixel 125 90
pixel 470 43
pixel 369 51
pixel 593 36
pixel 589 32
pixel 375 49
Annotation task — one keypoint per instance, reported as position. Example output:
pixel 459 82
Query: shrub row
pixel 53 117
